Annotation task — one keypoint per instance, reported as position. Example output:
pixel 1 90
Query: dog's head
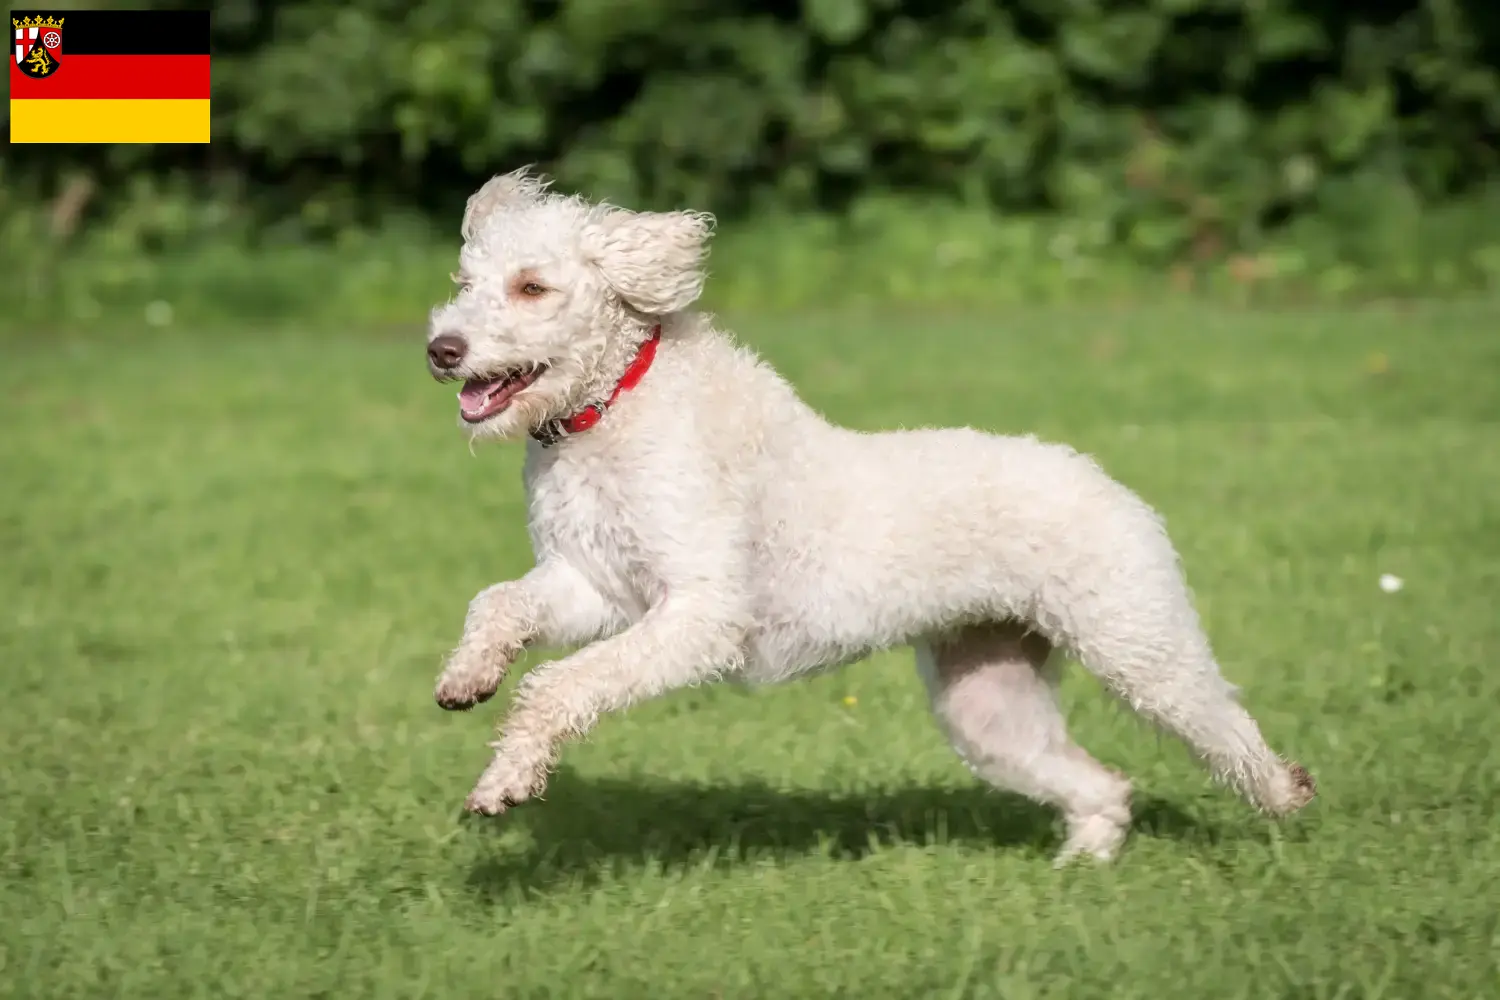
pixel 554 297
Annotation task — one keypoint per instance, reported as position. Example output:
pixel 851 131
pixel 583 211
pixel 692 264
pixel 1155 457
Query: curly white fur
pixel 713 524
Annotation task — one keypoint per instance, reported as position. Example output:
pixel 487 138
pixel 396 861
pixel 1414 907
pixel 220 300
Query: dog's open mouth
pixel 481 399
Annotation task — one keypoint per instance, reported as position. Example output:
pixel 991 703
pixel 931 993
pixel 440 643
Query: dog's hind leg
pixel 1134 627
pixel 994 696
pixel 1181 691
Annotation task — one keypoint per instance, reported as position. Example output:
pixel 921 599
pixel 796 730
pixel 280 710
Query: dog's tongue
pixel 481 399
pixel 474 391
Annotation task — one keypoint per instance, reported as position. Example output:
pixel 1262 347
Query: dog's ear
pixel 653 260
pixel 504 191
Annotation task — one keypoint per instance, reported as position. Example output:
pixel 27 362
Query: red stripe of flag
pixel 119 77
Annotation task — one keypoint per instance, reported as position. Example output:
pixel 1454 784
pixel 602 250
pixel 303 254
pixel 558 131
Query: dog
pixel 693 519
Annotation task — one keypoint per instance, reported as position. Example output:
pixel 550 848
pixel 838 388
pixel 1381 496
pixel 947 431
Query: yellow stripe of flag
pixel 109 121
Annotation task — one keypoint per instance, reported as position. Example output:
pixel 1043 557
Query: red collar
pixel 554 431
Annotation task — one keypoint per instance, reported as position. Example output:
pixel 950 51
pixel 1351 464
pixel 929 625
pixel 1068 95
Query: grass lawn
pixel 230 564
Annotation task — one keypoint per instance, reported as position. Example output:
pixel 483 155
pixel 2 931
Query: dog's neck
pixel 581 420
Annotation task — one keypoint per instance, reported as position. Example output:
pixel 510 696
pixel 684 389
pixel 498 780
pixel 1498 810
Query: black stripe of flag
pixel 129 32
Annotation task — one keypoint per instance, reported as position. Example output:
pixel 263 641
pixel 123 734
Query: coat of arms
pixel 38 44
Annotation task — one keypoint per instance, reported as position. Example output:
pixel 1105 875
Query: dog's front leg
pixel 681 641
pixel 553 605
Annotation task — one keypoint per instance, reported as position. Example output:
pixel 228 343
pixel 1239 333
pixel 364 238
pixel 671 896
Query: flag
pixel 109 76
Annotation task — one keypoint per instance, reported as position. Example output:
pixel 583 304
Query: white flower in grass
pixel 1390 583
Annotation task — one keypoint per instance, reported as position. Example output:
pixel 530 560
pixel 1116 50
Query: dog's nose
pixel 446 351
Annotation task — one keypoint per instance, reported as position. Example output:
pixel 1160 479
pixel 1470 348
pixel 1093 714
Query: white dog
pixel 692 518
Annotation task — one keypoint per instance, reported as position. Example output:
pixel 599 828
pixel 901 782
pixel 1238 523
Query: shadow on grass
pixel 589 827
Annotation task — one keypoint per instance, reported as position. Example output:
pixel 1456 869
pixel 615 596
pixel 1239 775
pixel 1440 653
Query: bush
pixel 1174 128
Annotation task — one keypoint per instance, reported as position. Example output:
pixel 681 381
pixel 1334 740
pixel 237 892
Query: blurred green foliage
pixel 1168 124
pixel 1169 132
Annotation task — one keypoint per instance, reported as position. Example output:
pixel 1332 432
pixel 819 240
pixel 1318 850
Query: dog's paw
pixel 465 684
pixel 457 694
pixel 1098 837
pixel 503 785
pixel 1291 789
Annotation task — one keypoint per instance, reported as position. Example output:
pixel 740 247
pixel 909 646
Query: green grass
pixel 230 564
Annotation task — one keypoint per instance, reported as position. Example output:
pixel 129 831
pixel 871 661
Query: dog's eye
pixel 526 284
